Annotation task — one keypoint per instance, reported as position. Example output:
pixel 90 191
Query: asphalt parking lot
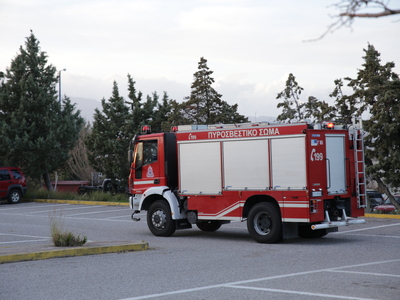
pixel 358 262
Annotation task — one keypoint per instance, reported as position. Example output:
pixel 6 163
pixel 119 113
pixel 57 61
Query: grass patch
pixel 64 238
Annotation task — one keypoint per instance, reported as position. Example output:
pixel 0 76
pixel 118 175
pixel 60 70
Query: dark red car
pixel 12 184
pixel 387 206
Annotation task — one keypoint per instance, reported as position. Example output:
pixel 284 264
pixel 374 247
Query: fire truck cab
pixel 285 180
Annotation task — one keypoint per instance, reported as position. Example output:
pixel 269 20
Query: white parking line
pixel 24 241
pixel 38 238
pixel 364 229
pixel 65 209
pixel 22 235
pixel 366 273
pixel 237 283
pixel 117 217
pixel 378 235
pixel 96 212
pixel 298 293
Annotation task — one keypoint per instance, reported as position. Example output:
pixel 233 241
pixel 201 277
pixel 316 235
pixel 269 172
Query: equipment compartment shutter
pixel 246 165
pixel 336 164
pixel 200 168
pixel 288 160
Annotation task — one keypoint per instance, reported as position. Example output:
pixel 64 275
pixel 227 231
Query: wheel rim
pixel 15 197
pixel 262 223
pixel 159 219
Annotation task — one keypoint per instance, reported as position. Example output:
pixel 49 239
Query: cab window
pixel 149 152
pixel 146 153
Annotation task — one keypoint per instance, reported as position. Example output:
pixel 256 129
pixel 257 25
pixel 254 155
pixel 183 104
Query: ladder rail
pixel 358 146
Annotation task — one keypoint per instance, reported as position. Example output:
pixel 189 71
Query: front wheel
pixel 14 197
pixel 159 219
pixel 264 223
pixel 209 225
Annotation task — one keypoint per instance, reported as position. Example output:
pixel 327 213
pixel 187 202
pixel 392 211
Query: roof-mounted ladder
pixel 358 146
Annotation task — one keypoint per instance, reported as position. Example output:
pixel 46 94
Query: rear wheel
pixel 209 225
pixel 14 196
pixel 264 223
pixel 159 219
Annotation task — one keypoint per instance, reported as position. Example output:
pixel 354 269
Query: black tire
pixel 305 231
pixel 159 219
pixel 14 197
pixel 264 223
pixel 209 226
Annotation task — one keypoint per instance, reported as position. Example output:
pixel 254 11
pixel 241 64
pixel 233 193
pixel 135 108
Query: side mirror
pixel 130 156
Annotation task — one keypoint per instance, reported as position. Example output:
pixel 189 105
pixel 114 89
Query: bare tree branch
pixel 351 9
pixel 357 8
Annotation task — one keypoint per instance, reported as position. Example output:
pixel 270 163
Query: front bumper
pixel 134 202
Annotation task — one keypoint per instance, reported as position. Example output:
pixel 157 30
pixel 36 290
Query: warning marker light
pixel 174 128
pixel 328 125
pixel 146 129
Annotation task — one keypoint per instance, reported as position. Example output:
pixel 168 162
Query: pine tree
pixel 36 133
pixel 377 90
pixel 136 106
pixel 109 140
pixel 175 116
pixel 149 111
pixel 204 105
pixel 348 106
pixel 161 115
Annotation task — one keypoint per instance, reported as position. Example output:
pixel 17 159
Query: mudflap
pixel 182 224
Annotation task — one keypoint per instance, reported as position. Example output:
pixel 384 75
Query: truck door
pixel 147 164
pixel 336 163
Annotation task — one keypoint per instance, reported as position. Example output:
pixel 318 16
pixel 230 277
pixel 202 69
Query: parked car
pixel 387 206
pixel 107 187
pixel 374 198
pixel 12 184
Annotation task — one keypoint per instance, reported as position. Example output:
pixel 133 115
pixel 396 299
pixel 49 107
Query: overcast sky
pixel 251 46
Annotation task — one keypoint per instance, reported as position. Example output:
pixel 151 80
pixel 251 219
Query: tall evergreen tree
pixel 136 105
pixel 347 106
pixel 175 116
pixel 376 90
pixel 149 111
pixel 36 133
pixel 110 137
pixel 161 115
pixel 204 105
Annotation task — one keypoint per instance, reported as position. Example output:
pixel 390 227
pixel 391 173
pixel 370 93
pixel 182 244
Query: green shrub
pixel 64 238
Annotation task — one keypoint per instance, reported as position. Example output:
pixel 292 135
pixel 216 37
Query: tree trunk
pixel 47 181
pixel 387 192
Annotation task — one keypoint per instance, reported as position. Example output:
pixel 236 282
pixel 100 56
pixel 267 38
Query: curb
pixel 78 251
pixel 382 216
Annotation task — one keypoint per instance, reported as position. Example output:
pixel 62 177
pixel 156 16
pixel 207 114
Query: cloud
pixel 251 46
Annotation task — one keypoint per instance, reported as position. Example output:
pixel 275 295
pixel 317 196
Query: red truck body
pixel 284 179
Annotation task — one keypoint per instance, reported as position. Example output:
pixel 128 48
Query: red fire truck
pixel 285 180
